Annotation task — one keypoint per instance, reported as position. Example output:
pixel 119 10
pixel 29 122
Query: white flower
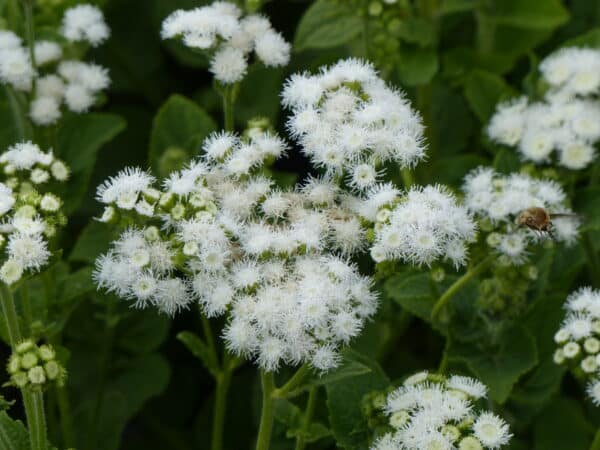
pixel 7 200
pixel 29 250
pixel 228 65
pixel 470 386
pixel 491 430
pixel 124 188
pixel 341 127
pixel 85 23
pixel 272 49
pixel 50 86
pixel 427 225
pixel 11 271
pixel 46 52
pixel 593 391
pixel 16 68
pixel 44 110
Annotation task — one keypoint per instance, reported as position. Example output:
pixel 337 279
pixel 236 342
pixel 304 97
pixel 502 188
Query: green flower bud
pixel 172 159
pixel 470 443
pixel 36 375
pixel 47 353
pixel 25 346
pixel 20 379
pixel 29 360
pixel 178 211
pixel 151 234
pixel 14 364
pixel 52 369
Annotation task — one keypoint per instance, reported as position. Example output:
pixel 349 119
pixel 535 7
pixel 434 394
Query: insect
pixel 539 220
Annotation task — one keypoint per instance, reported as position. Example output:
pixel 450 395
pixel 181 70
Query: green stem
pixel 592 256
pixel 29 29
pixel 66 419
pixel 293 383
pixel 223 381
pixel 10 315
pixel 33 400
pixel 486 31
pixel 18 114
pixel 210 340
pixel 308 414
pixel 36 419
pixel 407 177
pixel 459 284
pixel 265 428
pixel 228 107
pixel 27 309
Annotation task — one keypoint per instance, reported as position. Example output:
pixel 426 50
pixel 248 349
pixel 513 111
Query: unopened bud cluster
pixel 33 366
pixel 578 338
pixel 30 216
pixel 431 411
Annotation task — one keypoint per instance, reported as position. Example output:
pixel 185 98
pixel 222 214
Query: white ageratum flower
pixel 125 188
pixel 499 199
pixel 229 38
pixel 563 127
pixel 574 70
pixel 578 339
pixel 427 224
pixel 432 412
pixel 85 23
pixel 226 237
pixel 346 119
pixel 16 68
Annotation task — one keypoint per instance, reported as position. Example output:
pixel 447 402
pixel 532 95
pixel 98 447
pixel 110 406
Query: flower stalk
pixel 266 418
pixel 308 414
pixel 458 285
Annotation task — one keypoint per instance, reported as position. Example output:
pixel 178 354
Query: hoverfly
pixel 539 220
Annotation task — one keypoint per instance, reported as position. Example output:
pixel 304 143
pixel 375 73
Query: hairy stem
pixel 36 418
pixel 293 383
pixel 33 400
pixel 18 114
pixel 228 107
pixel 459 284
pixel 220 409
pixel 306 420
pixel 29 29
pixel 265 428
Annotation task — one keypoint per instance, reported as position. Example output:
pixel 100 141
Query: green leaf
pixel 587 203
pixel 344 399
pixel 13 434
pixel 412 292
pixel 200 350
pixel 562 426
pixel 498 368
pixel 507 161
pixel 353 365
pixel 259 95
pixel 75 285
pixel 327 23
pixel 143 331
pixel 179 127
pixel 292 417
pixel 417 66
pixel 454 6
pixel 483 91
pixel 92 241
pixel 538 14
pixel 415 30
pixel 589 39
pixel 79 139
pixel 14 126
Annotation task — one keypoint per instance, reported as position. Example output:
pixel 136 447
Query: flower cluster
pixel 349 122
pixel 567 120
pixel 29 216
pixel 579 338
pixel 427 224
pixel 33 366
pixel 434 412
pixel 16 68
pixel 228 37
pixel 85 23
pixel 219 233
pixel 497 200
pixel 57 81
